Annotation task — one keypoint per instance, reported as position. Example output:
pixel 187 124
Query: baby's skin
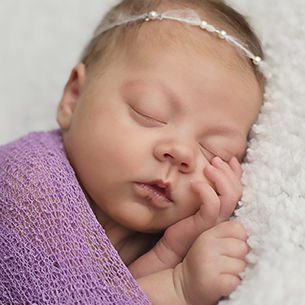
pixel 202 254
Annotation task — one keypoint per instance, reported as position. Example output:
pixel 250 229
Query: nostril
pixel 181 164
pixel 184 165
pixel 167 156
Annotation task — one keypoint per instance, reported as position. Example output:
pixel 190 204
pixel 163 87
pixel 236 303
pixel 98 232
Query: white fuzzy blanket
pixel 41 40
pixel 273 207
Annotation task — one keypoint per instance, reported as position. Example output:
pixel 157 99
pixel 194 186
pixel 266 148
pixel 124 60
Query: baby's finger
pixel 207 216
pixel 229 265
pixel 229 194
pixel 234 174
pixel 227 283
pixel 224 186
pixel 229 229
pixel 232 247
pixel 236 167
pixel 229 189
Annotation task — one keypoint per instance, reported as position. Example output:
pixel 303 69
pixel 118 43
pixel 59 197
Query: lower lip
pixel 146 191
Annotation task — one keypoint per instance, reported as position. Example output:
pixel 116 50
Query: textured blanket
pixel 53 250
pixel 273 209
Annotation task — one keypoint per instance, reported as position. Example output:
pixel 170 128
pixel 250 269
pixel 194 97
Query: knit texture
pixel 53 250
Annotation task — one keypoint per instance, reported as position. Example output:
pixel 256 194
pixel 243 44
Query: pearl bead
pixel 203 24
pixel 257 60
pixel 153 15
pixel 222 34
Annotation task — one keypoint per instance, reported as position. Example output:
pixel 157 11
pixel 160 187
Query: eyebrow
pixel 226 130
pixel 164 88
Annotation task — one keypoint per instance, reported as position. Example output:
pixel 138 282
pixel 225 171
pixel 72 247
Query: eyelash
pixel 212 155
pixel 206 152
pixel 147 117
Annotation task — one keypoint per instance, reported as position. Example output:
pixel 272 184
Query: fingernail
pixel 218 160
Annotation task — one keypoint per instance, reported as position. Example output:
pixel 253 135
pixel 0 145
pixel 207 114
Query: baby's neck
pixel 129 244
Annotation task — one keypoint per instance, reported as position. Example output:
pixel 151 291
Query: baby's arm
pixel 209 271
pixel 215 208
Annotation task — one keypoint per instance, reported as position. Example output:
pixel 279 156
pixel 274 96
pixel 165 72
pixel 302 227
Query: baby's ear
pixel 70 96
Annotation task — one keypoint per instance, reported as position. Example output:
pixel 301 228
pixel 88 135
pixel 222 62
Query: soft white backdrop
pixel 40 41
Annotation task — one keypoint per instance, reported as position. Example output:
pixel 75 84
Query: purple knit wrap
pixel 52 248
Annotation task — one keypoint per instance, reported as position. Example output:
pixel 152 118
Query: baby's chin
pixel 142 227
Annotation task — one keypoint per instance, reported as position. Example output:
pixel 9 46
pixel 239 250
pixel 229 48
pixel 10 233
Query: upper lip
pixel 165 186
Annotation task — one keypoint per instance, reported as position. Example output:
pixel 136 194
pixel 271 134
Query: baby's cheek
pixel 199 174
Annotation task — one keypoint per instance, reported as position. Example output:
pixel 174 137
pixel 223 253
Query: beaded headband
pixel 187 16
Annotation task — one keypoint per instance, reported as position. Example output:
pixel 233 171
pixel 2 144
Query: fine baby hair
pixel 127 17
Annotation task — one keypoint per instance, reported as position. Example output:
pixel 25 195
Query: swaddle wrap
pixel 52 248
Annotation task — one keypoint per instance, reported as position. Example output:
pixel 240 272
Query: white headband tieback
pixel 187 16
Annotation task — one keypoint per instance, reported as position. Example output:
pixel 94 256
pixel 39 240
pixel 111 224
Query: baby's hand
pixel 226 177
pixel 212 266
pixel 217 205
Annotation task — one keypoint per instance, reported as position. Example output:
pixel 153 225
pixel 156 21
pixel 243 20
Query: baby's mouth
pixel 162 188
pixel 157 192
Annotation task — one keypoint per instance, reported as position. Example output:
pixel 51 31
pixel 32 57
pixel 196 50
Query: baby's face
pixel 152 125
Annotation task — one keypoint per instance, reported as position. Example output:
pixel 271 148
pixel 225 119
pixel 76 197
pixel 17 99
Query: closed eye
pixel 208 154
pixel 149 119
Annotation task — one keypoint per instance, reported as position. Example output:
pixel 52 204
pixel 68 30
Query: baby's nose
pixel 178 154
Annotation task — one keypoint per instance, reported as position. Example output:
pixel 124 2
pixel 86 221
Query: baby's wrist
pixel 179 283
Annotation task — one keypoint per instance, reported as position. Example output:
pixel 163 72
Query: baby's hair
pixel 103 46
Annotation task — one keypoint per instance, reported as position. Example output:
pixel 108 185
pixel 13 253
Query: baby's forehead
pixel 167 36
pixel 136 40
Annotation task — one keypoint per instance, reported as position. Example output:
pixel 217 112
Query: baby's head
pixel 108 43
pixel 151 103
